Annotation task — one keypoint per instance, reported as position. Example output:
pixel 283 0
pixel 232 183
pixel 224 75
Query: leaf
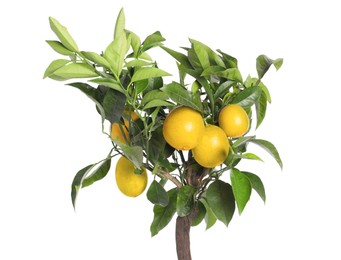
pixel 223 89
pixel 229 61
pixel 263 64
pixel 242 141
pixel 113 104
pixel 59 48
pixel 146 73
pixel 250 156
pixel 231 73
pixel 210 218
pixel 77 182
pixel 96 58
pixel 200 215
pixel 152 40
pixel 63 35
pixel 220 199
pixel 185 200
pixel 206 55
pixel 55 65
pixel 247 97
pixel 157 103
pixel 109 83
pixel 270 148
pixel 163 215
pixel 157 195
pixel 115 54
pixel 76 70
pixel 261 105
pixel 98 173
pixel 241 187
pixel 120 24
pixel 180 57
pixel 182 96
pixel 154 94
pixel 134 154
pixel 256 184
pixel 135 42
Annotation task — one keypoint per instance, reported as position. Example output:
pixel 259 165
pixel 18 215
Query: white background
pixel 49 131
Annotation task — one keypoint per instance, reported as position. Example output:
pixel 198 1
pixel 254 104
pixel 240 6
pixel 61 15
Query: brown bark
pixel 182 236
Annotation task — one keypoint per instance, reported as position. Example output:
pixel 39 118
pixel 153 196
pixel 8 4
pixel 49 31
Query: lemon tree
pixel 187 132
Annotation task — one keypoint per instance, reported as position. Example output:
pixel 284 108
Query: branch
pixel 172 179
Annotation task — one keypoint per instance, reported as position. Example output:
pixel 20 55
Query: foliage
pixel 125 77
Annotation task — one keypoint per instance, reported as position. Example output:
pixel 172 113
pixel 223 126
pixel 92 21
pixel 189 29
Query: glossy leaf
pixel 185 200
pixel 115 53
pixel 134 154
pixel 182 96
pixel 200 215
pixel 229 61
pixel 242 141
pixel 223 89
pixel 55 65
pixel 263 64
pixel 98 174
pixel 59 48
pixel 157 103
pixel 157 194
pixel 152 40
pixel 241 187
pixel 63 35
pixel 270 148
pixel 120 24
pixel 256 184
pixel 154 94
pixel 163 215
pixel 76 70
pixel 231 73
pixel 96 58
pixel 247 97
pixel 77 182
pixel 220 199
pixel 250 156
pixel 113 104
pixel 180 57
pixel 146 73
pixel 210 218
pixel 111 83
pixel 261 105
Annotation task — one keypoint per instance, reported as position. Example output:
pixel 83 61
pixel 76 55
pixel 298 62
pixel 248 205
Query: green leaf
pixel 154 94
pixel 115 54
pixel 98 173
pixel 241 187
pixel 163 215
pixel 220 199
pixel 152 40
pixel 206 55
pixel 63 35
pixel 59 48
pixel 157 195
pixel 158 103
pixel 113 104
pixel 261 105
pixel 180 57
pixel 147 73
pixel 247 97
pixel 229 61
pixel 185 200
pixel 77 182
pixel 223 89
pixel 263 64
pixel 109 83
pixel 256 184
pixel 231 73
pixel 242 141
pixel 200 215
pixel 210 218
pixel 134 154
pixel 120 24
pixel 55 65
pixel 96 58
pixel 76 70
pixel 270 148
pixel 138 63
pixel 182 96
pixel 250 156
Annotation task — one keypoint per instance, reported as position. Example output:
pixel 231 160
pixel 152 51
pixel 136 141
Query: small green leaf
pixel 220 199
pixel 229 61
pixel 250 156
pixel 152 40
pixel 231 73
pixel 76 70
pixel 135 43
pixel 111 83
pixel 77 182
pixel 55 65
pixel 96 58
pixel 154 94
pixel 59 48
pixel 163 215
pixel 247 97
pixel 158 103
pixel 241 187
pixel 180 57
pixel 185 200
pixel 115 53
pixel 263 64
pixel 134 154
pixel 138 63
pixel 113 104
pixel 261 105
pixel 256 184
pixel 210 218
pixel 63 35
pixel 242 141
pixel 270 148
pixel 146 73
pixel 157 194
pixel 223 89
pixel 182 96
pixel 200 215
pixel 98 173
pixel 120 24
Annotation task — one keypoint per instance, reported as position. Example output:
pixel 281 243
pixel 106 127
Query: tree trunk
pixel 183 226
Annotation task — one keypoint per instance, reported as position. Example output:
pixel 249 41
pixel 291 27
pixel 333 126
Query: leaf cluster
pixel 124 79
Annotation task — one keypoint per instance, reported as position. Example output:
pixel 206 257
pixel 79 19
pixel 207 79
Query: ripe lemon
pixel 213 147
pixel 183 128
pixel 234 120
pixel 120 132
pixel 128 182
